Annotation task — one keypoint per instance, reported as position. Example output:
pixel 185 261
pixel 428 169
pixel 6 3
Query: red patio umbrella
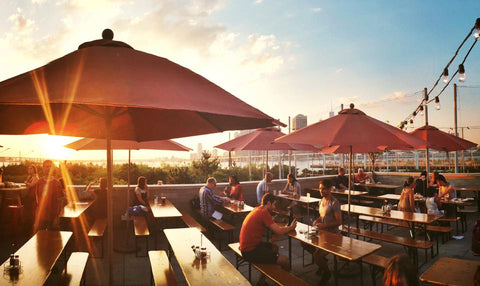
pixel 355 132
pixel 108 90
pixel 263 140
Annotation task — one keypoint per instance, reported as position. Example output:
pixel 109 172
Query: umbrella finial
pixel 107 34
pixel 352 105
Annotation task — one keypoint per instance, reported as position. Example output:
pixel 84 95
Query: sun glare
pixel 52 147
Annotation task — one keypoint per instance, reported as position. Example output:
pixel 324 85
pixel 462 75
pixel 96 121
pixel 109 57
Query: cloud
pixel 316 10
pixel 397 97
pixel 258 1
pixel 339 70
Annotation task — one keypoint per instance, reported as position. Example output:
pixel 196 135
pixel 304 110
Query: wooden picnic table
pixel 300 199
pixel 235 209
pixel 75 209
pixel 410 217
pixel 336 244
pixel 215 269
pixel 451 271
pixel 344 192
pixel 394 197
pixel 375 186
pixel 167 210
pixel 38 256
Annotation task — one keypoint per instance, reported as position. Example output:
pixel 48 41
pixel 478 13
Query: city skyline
pixel 281 58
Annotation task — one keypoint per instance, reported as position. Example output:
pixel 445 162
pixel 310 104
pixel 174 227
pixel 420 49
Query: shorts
pixel 264 252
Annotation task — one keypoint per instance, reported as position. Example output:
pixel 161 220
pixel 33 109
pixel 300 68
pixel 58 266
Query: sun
pixel 52 147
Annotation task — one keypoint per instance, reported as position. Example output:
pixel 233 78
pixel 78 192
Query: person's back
pixel 400 271
pixel 262 187
pixel 208 199
pixel 407 203
pixel 253 228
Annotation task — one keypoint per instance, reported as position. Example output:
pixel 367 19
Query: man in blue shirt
pixel 262 187
pixel 208 200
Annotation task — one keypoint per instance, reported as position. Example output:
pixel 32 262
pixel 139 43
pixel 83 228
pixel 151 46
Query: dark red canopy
pixel 263 139
pixel 439 140
pixel 99 144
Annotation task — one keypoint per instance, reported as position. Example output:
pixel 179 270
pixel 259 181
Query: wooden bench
pixel 191 222
pixel 222 226
pixel 411 244
pixel 74 269
pixel 141 230
pixel 452 219
pixel 97 231
pixel 273 271
pixel 376 262
pixel 161 270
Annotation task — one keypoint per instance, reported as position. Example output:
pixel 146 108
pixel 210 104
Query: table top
pixel 159 261
pixel 214 269
pixel 74 210
pixel 422 200
pixel 398 215
pixel 467 189
pixel 375 185
pixel 390 197
pixel 38 255
pixel 337 244
pixel 163 210
pixel 16 189
pixel 301 199
pixel 344 192
pixel 232 207
pixel 451 271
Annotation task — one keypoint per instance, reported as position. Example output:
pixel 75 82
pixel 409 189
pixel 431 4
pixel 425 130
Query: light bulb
pixel 476 34
pixel 461 71
pixel 437 103
pixel 421 111
pixel 445 75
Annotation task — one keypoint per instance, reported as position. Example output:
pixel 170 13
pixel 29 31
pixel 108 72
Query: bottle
pixel 156 200
pixel 16 260
pixel 12 259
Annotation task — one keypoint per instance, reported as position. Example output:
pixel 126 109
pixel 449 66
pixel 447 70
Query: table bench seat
pixel 273 271
pixel 141 230
pixel 98 231
pixel 375 262
pixel 162 272
pixel 191 222
pixel 74 269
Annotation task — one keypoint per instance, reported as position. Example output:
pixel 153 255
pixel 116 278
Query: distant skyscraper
pixel 331 113
pixel 299 121
pixel 199 148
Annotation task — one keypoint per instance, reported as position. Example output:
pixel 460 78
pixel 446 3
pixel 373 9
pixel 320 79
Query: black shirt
pixel 341 180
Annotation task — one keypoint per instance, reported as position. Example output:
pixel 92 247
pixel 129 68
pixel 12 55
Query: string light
pixel 445 75
pixel 421 110
pixel 461 71
pixel 437 103
pixel 476 32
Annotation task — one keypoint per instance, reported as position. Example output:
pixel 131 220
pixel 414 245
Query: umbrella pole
pixel 349 186
pixel 266 161
pixel 427 163
pixel 249 165
pixel 108 124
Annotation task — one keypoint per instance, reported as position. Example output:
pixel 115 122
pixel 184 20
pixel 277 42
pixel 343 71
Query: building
pixel 299 121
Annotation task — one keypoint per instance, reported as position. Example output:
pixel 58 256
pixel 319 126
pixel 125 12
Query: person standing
pixel 251 245
pixel 30 202
pixel 330 217
pixel 49 198
pixel 407 201
pixel 262 187
pixel 208 200
pixel 341 182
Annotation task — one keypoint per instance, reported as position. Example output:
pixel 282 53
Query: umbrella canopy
pixel 99 144
pixel 263 139
pixel 439 140
pixel 108 90
pixel 352 127
pixel 354 132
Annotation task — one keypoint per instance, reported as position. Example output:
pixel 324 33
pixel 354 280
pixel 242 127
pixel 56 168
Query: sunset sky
pixel 283 57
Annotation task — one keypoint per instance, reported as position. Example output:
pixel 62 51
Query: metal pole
pixel 425 108
pixel 455 121
pixel 249 165
pixel 279 165
pixel 463 154
pixel 349 186
pixel 289 152
pixel 108 125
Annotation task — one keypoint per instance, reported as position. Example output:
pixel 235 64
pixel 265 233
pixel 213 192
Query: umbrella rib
pixel 88 109
pixel 210 122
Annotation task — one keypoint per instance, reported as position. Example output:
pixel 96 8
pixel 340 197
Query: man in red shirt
pixel 49 196
pixel 251 245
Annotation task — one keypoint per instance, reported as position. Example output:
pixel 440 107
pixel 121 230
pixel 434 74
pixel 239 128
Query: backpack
pixel 195 202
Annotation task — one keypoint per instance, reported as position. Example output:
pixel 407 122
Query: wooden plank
pixel 191 222
pixel 98 228
pixel 215 269
pixel 140 226
pixel 167 210
pixel 162 271
pixel 221 224
pixel 38 256
pixel 451 271
pixel 76 209
pixel 376 260
pixel 273 271
pixel 74 269
pixel 398 215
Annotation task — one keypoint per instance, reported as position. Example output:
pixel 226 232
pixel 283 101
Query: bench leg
pixel 373 274
pixel 335 270
pixel 361 271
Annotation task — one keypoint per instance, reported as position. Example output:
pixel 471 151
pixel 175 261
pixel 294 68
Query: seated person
pixel 361 177
pixel 433 180
pixel 432 202
pixel 251 245
pixel 292 187
pixel 234 190
pixel 400 272
pixel 100 194
pixel 262 187
pixel 407 201
pixel 141 194
pixel 341 182
pixel 445 189
pixel 208 200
